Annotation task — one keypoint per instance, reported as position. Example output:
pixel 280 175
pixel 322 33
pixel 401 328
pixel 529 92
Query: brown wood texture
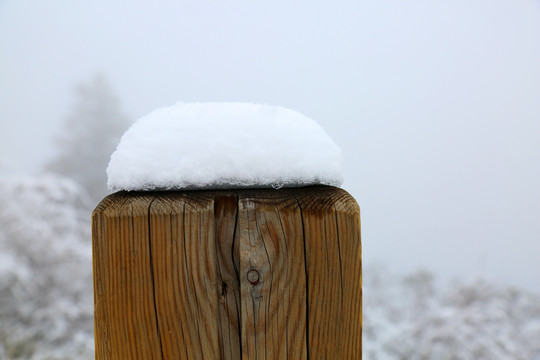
pixel 244 274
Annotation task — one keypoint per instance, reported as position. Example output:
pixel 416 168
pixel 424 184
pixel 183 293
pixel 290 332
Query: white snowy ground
pixel 46 293
pixel 223 145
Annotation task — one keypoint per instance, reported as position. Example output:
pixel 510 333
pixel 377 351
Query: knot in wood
pixel 253 277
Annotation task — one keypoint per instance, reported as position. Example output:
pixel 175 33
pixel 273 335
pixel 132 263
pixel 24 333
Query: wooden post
pixel 244 274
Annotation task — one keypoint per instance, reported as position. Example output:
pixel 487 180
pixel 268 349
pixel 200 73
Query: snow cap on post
pixel 224 145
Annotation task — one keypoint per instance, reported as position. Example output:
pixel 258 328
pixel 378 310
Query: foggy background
pixel 436 104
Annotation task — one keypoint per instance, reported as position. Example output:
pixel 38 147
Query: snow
pixel 224 145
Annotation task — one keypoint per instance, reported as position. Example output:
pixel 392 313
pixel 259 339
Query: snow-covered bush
pixel 45 270
pixel 407 318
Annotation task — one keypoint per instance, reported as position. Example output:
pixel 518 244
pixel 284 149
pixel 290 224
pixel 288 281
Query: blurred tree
pixel 91 133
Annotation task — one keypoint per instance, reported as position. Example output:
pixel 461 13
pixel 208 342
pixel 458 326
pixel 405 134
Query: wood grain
pixel 246 274
pixel 331 220
pixel 226 215
pixel 125 326
pixel 271 245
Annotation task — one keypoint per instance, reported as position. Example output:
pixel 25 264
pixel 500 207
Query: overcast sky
pixel 436 104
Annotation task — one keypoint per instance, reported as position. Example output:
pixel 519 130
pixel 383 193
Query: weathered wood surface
pixel 245 274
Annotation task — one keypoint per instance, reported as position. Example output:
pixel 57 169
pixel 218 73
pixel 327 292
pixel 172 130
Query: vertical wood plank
pixel 186 275
pixel 347 215
pixel 123 300
pixel 272 276
pixel 174 303
pixel 333 256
